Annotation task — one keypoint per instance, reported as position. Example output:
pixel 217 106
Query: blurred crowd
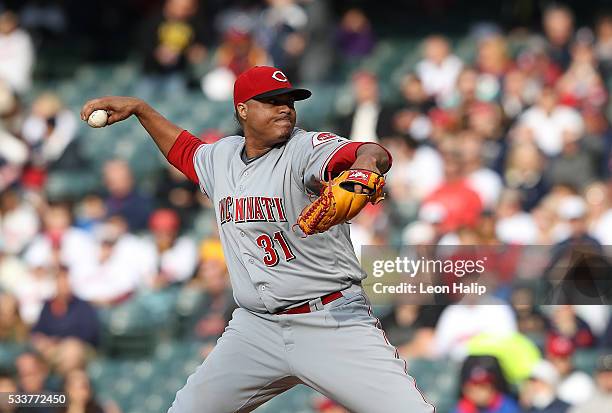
pixel 512 146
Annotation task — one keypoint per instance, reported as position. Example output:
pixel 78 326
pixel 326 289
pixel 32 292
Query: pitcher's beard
pixel 284 137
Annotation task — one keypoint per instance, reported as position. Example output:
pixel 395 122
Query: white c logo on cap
pixel 280 76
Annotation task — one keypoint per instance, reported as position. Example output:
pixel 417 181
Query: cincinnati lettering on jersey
pixel 252 209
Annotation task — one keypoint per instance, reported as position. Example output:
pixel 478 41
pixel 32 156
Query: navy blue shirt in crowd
pixel 80 321
pixel 134 208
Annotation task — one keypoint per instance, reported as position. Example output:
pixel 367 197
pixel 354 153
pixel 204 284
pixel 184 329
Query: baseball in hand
pixel 98 118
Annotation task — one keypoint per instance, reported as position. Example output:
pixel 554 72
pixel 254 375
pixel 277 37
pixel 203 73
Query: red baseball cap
pixel 265 81
pixel 559 346
pixel 480 375
pixel 164 220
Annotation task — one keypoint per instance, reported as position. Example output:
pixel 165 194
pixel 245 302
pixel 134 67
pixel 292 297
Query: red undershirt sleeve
pixel 182 152
pixel 346 156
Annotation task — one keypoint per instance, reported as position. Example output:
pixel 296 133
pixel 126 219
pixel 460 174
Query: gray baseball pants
pixel 340 351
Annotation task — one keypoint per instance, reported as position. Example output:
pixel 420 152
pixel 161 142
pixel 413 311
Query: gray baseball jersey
pixel 271 267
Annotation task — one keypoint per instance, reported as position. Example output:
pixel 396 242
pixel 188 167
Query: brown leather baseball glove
pixel 339 202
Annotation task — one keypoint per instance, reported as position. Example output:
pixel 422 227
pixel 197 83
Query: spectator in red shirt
pixel 462 204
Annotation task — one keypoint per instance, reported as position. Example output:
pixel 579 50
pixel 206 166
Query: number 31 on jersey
pixel 267 243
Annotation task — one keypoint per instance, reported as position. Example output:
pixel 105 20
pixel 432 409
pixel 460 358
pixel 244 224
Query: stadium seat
pixel 586 360
pixel 130 330
pixel 71 185
pixel 8 353
pixel 187 303
pixel 204 224
pixel 143 370
pixel 317 110
pixel 437 379
pixel 154 403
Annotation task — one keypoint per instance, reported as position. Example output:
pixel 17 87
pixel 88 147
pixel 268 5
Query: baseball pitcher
pixel 303 316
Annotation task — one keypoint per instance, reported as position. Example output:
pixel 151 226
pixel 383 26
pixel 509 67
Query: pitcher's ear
pixel 241 112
